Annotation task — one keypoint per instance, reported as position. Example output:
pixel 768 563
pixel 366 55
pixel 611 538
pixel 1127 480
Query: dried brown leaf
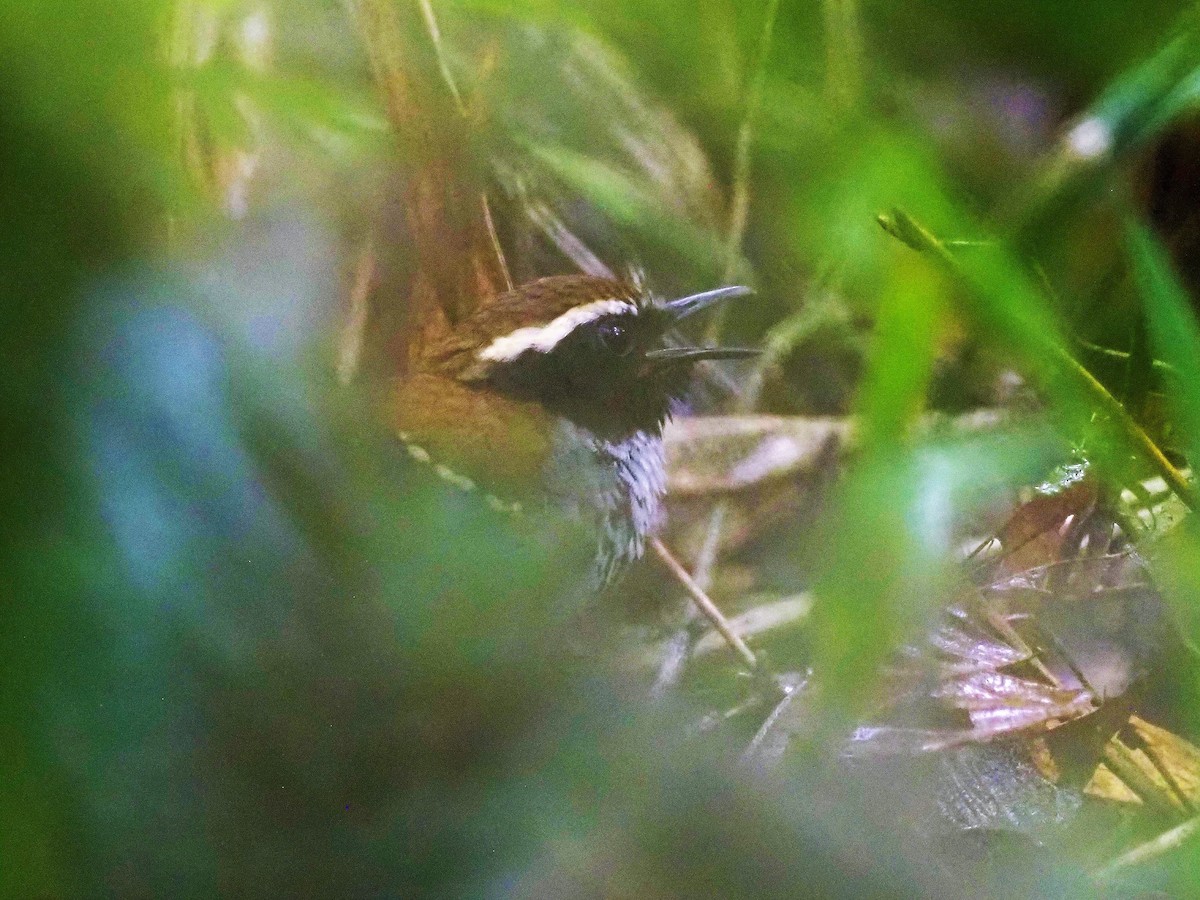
pixel 1036 533
pixel 1177 759
pixel 1105 785
pixel 973 649
pixel 1142 777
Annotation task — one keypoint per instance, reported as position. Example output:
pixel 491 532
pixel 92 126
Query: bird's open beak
pixel 686 306
pixel 671 355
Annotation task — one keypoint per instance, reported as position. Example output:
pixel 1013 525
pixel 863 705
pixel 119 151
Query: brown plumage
pixel 499 441
pixel 535 303
pixel 555 395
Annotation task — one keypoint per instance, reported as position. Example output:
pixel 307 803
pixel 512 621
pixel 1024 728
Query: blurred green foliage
pixel 239 651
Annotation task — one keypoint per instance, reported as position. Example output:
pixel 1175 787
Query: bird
pixel 553 396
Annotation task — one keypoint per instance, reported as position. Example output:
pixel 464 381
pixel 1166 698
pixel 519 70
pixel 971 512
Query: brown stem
pixel 704 603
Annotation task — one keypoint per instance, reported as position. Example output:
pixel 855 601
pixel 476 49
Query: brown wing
pixel 500 443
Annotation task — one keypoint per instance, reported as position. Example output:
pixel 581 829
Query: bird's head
pixel 593 350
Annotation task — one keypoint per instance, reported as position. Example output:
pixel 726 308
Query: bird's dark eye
pixel 616 338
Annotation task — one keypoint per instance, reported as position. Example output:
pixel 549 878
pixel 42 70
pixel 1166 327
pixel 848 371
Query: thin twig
pixel 565 240
pixel 435 37
pixel 704 603
pixel 739 213
pixel 790 693
pixel 494 235
pixel 354 331
pixel 680 645
pixel 739 204
pixel 1165 842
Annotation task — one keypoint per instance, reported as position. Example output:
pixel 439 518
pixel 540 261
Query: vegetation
pixel 950 509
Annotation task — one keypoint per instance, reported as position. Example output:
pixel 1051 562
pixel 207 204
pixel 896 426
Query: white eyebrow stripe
pixel 544 338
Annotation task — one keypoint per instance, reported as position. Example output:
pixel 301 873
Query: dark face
pixel 599 376
pixel 589 349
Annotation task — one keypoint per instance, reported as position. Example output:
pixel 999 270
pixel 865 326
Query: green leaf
pixel 1142 102
pixel 906 332
pixel 1130 113
pixel 1174 333
pixel 1175 338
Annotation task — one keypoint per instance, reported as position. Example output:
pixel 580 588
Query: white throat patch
pixel 544 338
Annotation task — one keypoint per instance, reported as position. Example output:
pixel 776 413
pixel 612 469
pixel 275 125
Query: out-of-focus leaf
pixel 858 170
pixel 1001 301
pixel 85 175
pixel 1172 325
pixel 60 56
pixel 304 106
pixel 1135 108
pixel 621 196
pixel 1176 339
pixel 551 11
pixel 885 564
pixel 906 335
pixel 1140 102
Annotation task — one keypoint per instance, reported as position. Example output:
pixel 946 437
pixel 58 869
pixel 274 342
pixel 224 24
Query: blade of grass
pixel 1004 300
pixel 740 204
pixel 843 53
pixel 1171 323
pixel 1131 112
pixel 905 346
